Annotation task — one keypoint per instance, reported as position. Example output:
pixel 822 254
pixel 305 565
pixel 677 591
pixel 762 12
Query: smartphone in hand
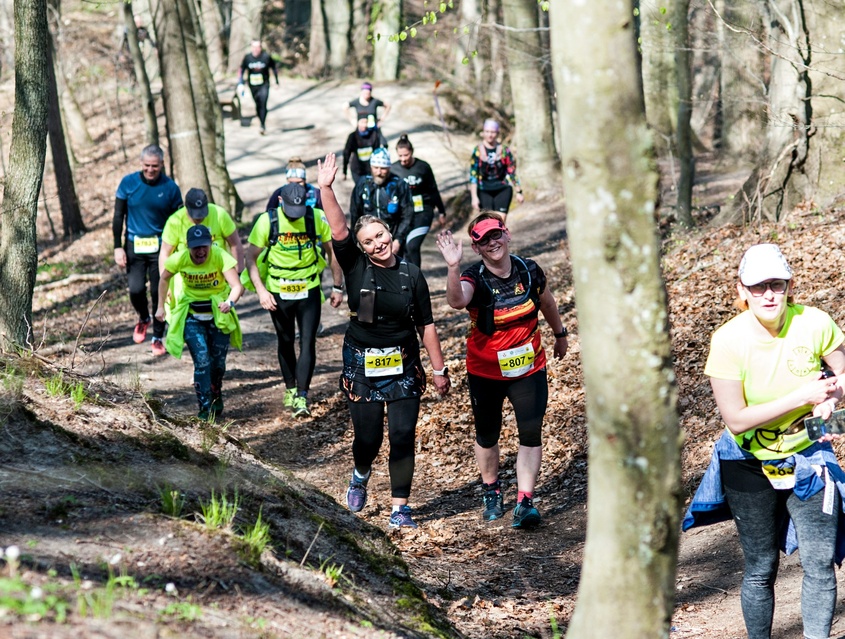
pixel 833 425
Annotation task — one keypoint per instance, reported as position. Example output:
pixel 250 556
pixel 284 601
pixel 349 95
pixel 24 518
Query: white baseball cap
pixel 763 262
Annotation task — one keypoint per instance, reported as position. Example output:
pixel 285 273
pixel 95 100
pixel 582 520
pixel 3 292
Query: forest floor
pixel 82 481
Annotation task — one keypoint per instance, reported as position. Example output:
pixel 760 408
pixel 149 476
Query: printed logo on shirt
pixel 201 280
pixel 802 362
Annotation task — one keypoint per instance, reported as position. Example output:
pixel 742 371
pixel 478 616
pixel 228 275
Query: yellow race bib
pixel 381 362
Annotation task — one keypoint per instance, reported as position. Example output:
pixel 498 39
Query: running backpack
pixel 491 167
pixel 485 321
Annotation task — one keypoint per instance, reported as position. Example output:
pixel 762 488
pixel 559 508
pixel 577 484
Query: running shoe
pixel 356 495
pixel 300 406
pixel 494 507
pixel 202 415
pixel 140 332
pixel 158 347
pixel 402 518
pixel 525 515
pixel 262 131
pixel 290 395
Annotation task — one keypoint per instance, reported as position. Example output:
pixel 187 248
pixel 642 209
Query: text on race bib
pixel 780 478
pixel 365 153
pixel 293 289
pixel 380 362
pixel 515 362
pixel 145 245
pixel 418 203
pixel 256 79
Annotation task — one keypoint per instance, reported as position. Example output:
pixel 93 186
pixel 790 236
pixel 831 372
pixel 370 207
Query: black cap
pixel 198 235
pixel 196 201
pixel 293 200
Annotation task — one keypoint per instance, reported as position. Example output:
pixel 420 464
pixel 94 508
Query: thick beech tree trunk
pixel 244 28
pixel 71 214
pixel 18 252
pixel 186 149
pixel 468 68
pixel 338 20
pixel 633 512
pixel 150 122
pixel 386 53
pixel 537 161
pixel 318 47
pixel 360 60
pixel 212 34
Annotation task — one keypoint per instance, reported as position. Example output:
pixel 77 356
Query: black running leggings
pixel 498 200
pixel 288 315
pixel 419 229
pixel 529 396
pixel 260 95
pixel 141 267
pixel 368 424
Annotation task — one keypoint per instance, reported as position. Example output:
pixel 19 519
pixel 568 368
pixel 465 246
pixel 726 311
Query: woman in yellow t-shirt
pixel 204 316
pixel 765 368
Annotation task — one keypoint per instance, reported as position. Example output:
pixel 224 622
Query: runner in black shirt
pixel 255 68
pixel 424 193
pixel 359 147
pixel 366 106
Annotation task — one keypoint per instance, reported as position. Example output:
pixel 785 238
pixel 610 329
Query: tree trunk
pixel 77 127
pixel 468 68
pixel 802 157
pixel 18 252
pixel 150 122
pixel 743 90
pixel 386 53
pixel 209 114
pixel 683 68
pixel 338 19
pixel 658 71
pixel 212 33
pixel 496 82
pixel 71 215
pixel 318 47
pixel 7 36
pixel 362 10
pixel 633 511
pixel 244 28
pixel 531 101
pixel 186 151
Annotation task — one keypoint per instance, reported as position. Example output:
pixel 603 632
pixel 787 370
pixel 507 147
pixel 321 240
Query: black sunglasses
pixel 492 235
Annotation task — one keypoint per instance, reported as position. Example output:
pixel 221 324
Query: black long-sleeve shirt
pixel 420 179
pixel 390 202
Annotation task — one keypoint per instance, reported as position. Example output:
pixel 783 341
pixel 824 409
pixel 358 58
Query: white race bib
pixel 256 79
pixel 365 153
pixel 418 203
pixel 145 245
pixel 381 362
pixel 293 289
pixel 515 362
pixel 780 478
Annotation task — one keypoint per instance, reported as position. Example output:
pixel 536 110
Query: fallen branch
pixel 82 328
pixel 72 279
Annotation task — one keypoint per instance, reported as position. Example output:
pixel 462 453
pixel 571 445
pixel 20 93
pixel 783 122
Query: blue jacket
pixel 709 505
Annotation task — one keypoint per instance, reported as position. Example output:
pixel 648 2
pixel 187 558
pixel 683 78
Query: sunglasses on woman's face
pixel 492 235
pixel 778 287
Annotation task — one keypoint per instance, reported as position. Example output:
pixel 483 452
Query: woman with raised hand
pixel 766 370
pixel 504 294
pixel 390 309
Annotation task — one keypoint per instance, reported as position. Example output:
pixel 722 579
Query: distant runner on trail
pixel 492 173
pixel 504 294
pixel 295 173
pixel 255 69
pixel 204 317
pixel 767 371
pixel 366 106
pixel 288 243
pixel 390 309
pixel 359 147
pixel 144 200
pixel 385 197
pixel 424 194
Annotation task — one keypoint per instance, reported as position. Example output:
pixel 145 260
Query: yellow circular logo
pixel 803 362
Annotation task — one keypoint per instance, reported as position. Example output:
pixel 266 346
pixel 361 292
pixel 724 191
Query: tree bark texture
pixel 150 122
pixel 7 37
pixel 361 60
pixel 805 128
pixel 493 86
pixel 386 53
pixel 529 92
pixel 658 70
pixel 18 252
pixel 683 74
pixel 318 47
pixel 338 20
pixel 68 201
pixel 468 74
pixel 211 21
pixel 186 150
pixel 743 78
pixel 244 28
pixel 633 513
pixel 209 114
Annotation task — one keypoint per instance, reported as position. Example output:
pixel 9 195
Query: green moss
pixel 165 446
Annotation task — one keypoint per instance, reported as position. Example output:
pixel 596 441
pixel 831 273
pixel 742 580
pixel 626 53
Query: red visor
pixel 484 227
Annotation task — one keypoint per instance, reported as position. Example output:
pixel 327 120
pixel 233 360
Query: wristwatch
pixel 563 333
pixel 442 372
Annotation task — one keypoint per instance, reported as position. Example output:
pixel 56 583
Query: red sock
pixel 522 494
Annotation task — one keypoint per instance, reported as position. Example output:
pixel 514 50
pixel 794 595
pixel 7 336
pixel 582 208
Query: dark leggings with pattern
pixel 368 423
pixel 758 517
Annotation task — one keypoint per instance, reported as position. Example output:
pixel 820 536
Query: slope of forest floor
pixel 84 479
